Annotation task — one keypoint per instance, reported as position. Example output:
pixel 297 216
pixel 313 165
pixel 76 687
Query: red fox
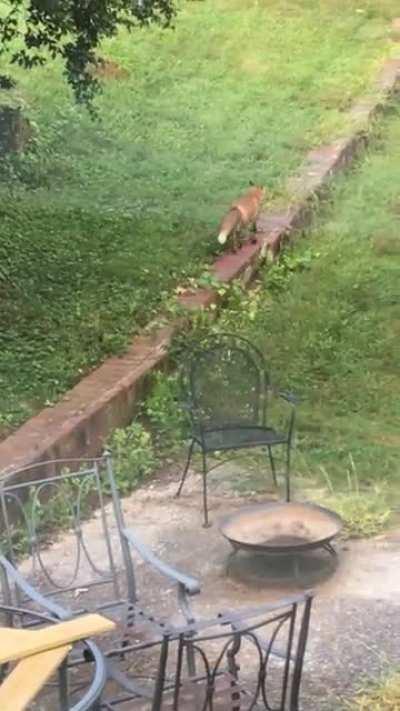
pixel 243 212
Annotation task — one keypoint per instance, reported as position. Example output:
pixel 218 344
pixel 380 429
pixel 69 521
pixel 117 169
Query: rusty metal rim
pixel 281 550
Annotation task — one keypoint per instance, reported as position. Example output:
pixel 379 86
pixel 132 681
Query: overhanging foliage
pixel 33 32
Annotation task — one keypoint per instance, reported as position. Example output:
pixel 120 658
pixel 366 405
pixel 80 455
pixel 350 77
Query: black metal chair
pixel 241 661
pixel 227 398
pixel 98 573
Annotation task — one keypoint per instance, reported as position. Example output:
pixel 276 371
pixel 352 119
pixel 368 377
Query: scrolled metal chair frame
pixel 24 497
pixel 27 498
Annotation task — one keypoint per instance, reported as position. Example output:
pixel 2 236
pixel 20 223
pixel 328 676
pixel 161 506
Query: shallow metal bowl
pixel 279 527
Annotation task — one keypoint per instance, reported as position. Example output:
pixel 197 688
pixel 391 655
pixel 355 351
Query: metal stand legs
pixel 186 469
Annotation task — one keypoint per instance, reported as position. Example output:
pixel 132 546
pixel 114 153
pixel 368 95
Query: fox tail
pixel 223 236
pixel 229 223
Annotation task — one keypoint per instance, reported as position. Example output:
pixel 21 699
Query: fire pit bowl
pixel 281 528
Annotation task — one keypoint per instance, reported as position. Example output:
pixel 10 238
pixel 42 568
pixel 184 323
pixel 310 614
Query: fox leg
pixel 237 238
pixel 234 249
pixel 253 228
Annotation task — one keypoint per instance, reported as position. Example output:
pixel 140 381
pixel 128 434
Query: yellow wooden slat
pixel 25 681
pixel 11 633
pixel 17 644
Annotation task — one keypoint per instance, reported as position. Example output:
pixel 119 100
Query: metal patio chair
pixel 92 575
pixel 227 398
pixel 144 661
pixel 246 660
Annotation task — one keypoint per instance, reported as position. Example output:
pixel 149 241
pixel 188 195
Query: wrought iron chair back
pixel 243 661
pixel 227 388
pixel 227 384
pixel 31 509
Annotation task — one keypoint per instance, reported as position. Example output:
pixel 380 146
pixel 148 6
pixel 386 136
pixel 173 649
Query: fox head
pixel 258 191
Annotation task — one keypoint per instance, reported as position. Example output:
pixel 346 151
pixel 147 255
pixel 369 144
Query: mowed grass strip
pixel 328 320
pixel 101 220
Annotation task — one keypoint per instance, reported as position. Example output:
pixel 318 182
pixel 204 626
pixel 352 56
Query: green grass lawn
pixel 328 320
pixel 383 696
pixel 102 219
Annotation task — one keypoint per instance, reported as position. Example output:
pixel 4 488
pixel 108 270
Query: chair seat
pixel 240 437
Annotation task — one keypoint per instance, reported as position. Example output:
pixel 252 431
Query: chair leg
pixel 206 523
pixel 272 463
pixel 287 473
pixel 190 659
pixel 197 703
pixel 161 675
pixel 185 471
pixel 63 687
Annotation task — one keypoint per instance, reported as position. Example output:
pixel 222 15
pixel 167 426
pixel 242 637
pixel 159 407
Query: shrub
pixel 133 455
pixel 164 409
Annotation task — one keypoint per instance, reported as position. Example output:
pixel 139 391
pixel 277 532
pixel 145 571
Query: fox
pixel 242 213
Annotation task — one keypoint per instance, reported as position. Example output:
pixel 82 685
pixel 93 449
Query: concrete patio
pixel 354 632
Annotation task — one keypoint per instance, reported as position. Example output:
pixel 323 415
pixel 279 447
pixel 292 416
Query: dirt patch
pixel 108 69
pixel 387 439
pixel 253 65
pixel 386 245
pixel 395 30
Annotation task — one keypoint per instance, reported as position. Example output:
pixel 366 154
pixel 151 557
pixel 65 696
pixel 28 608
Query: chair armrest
pixel 289 397
pixel 190 585
pixel 237 617
pixel 34 595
